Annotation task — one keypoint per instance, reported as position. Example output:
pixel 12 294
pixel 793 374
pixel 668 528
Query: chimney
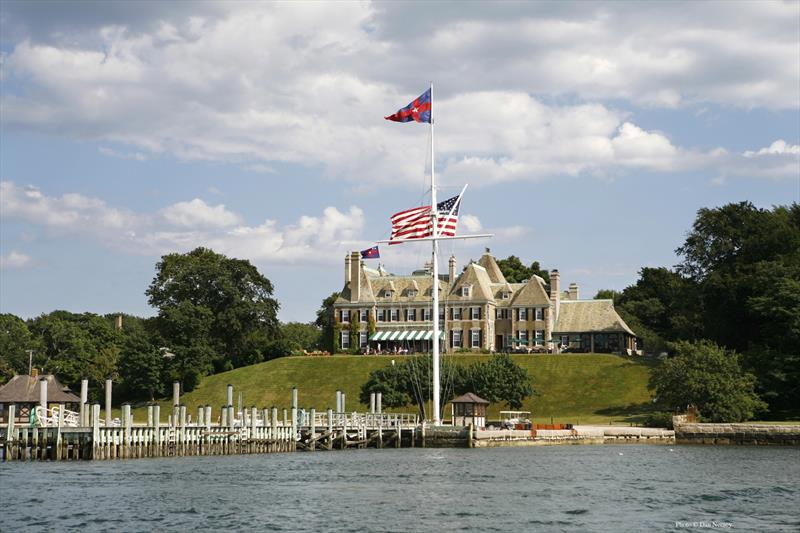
pixel 346 269
pixel 573 291
pixel 451 272
pixel 555 294
pixel 118 322
pixel 355 276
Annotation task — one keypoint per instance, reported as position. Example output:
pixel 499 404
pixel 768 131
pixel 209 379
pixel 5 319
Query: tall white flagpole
pixel 435 287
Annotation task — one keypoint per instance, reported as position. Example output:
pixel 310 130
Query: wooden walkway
pixel 251 431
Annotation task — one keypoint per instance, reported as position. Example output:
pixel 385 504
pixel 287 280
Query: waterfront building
pixel 479 310
pixel 25 392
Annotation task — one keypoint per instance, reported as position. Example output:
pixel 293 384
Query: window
pixel 412 293
pixel 465 292
pixel 523 335
pixel 476 313
pixel 395 315
pixel 345 315
pixel 362 339
pixel 381 315
pixel 345 340
pixel 456 313
pixel 426 314
pixel 523 313
pixel 564 340
pixel 456 338
pixel 505 295
pixel 476 338
pixel 411 315
pixel 539 336
pixel 441 314
pixel 538 313
pixel 387 293
pixel 362 315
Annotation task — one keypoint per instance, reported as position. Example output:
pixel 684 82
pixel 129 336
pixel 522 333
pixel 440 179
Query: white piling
pixel 83 415
pixel 108 403
pixel 176 393
pixel 230 394
pixel 43 400
pixel 379 402
pixel 372 403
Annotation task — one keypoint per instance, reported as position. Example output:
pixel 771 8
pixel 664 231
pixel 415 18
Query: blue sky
pixel 589 133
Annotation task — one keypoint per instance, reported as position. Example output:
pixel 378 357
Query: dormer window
pixel 412 293
pixel 465 292
pixel 387 293
pixel 505 295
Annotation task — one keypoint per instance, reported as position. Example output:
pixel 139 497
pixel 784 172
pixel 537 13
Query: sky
pixel 589 134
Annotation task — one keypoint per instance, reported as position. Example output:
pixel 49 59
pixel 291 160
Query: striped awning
pixel 404 335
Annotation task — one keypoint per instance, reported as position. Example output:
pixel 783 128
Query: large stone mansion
pixel 478 310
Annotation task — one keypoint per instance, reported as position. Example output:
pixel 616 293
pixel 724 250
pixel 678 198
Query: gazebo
pixel 468 409
pixel 26 393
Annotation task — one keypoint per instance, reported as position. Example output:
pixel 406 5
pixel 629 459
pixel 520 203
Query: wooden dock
pixel 247 432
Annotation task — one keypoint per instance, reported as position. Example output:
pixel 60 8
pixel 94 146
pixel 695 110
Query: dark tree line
pixel 737 286
pixel 214 314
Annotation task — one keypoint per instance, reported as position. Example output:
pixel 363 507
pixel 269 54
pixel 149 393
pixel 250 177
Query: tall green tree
pixel 500 380
pixel 516 272
pixel 703 374
pixel 325 321
pixel 15 341
pixel 77 346
pixel 302 336
pixel 234 296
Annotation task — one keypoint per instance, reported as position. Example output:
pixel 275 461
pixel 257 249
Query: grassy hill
pixel 585 388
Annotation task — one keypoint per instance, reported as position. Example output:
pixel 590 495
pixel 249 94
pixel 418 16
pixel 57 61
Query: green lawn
pixel 577 388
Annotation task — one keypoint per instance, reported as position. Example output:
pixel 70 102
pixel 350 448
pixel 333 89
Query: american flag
pixel 416 223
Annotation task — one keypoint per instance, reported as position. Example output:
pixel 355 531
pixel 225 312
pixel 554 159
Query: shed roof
pixel 577 316
pixel 25 389
pixel 470 397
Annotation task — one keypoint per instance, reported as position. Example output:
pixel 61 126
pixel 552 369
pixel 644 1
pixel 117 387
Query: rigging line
pixel 415 387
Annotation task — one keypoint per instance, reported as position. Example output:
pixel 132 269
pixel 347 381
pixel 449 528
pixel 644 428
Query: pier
pixel 57 434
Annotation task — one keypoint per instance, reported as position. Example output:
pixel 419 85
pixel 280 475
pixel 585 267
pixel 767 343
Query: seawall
pixel 742 433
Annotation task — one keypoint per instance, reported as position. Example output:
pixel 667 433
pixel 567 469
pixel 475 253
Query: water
pixel 610 488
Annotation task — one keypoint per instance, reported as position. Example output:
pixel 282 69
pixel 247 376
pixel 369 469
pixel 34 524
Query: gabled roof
pixel 475 276
pixel 532 293
pixel 470 397
pixel 495 274
pixel 366 292
pixel 598 316
pixel 25 389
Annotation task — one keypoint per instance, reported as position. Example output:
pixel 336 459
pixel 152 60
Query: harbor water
pixel 604 487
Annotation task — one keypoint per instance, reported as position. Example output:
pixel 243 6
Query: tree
pixel 15 341
pixel 325 321
pixel 78 346
pixel 516 272
pixel 140 362
pixel 302 336
pixel 186 327
pixel 702 374
pixel 500 380
pixel 237 298
pixel 410 382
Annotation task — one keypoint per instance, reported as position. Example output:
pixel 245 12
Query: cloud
pixel 183 226
pixel 471 223
pixel 14 259
pixel 197 213
pixel 524 92
pixel 779 147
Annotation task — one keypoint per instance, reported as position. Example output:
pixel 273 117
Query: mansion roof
pixel 590 315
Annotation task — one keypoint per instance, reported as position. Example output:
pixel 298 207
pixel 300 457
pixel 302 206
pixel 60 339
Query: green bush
pixel 659 419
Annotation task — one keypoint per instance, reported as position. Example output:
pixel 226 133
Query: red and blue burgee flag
pixel 371 253
pixel 418 110
pixel 416 223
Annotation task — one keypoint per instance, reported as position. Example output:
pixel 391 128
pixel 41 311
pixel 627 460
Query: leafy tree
pixel 500 380
pixel 703 374
pixel 78 346
pixel 608 294
pixel 410 382
pixel 516 272
pixel 186 328
pixel 15 341
pixel 325 321
pixel 140 362
pixel 302 336
pixel 234 296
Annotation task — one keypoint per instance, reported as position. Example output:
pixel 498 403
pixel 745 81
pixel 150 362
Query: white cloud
pixel 471 223
pixel 196 213
pixel 185 225
pixel 164 82
pixel 14 259
pixel 779 147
